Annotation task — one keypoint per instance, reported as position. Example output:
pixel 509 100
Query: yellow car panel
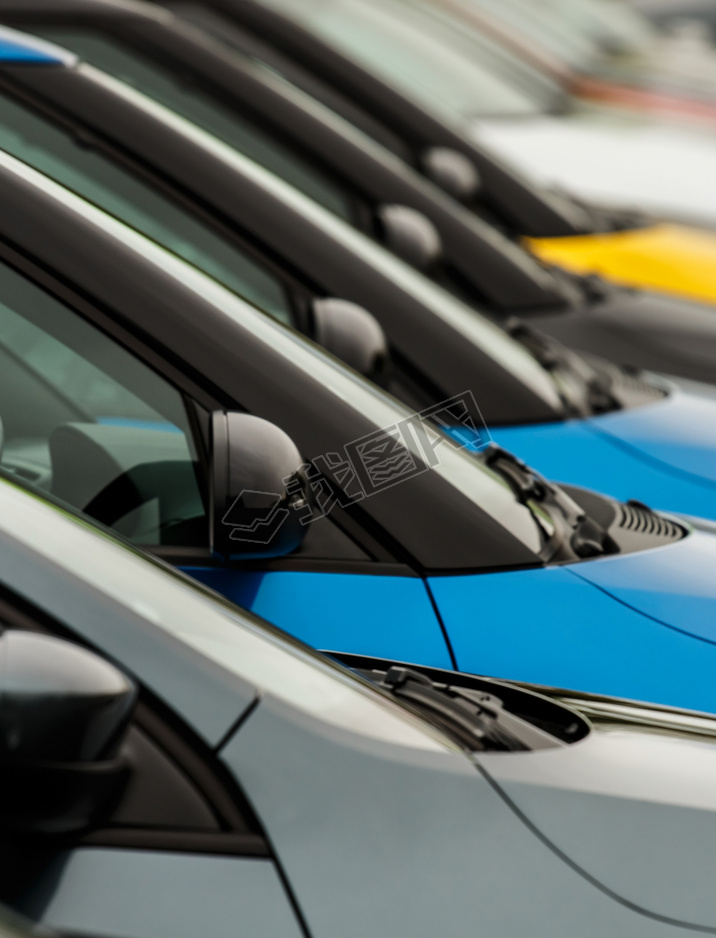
pixel 666 258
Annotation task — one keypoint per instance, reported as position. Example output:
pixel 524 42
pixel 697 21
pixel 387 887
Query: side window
pixel 88 422
pixel 166 87
pixel 43 145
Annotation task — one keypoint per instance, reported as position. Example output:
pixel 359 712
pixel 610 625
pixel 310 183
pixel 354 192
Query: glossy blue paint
pixel 679 431
pixel 582 452
pixel 157 425
pixel 553 627
pixel 19 47
pixel 385 616
pixel 675 584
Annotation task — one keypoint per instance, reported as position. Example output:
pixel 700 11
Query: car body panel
pixel 666 257
pixel 382 616
pixel 572 627
pixel 660 453
pixel 678 431
pixel 209 700
pixel 612 160
pixel 100 891
pixel 339 789
pixel 674 585
pixel 612 804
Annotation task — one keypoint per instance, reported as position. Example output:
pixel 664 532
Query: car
pixel 528 165
pixel 178 766
pixel 587 424
pixel 304 143
pixel 601 51
pixel 346 172
pixel 139 390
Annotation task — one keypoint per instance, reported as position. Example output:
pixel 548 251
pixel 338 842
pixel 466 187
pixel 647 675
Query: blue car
pixel 585 423
pixel 137 389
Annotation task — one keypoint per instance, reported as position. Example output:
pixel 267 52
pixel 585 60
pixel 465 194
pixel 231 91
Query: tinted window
pixel 86 421
pixel 49 149
pixel 167 87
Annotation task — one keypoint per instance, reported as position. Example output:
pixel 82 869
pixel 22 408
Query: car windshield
pixel 168 85
pixel 469 476
pixel 116 598
pixel 419 54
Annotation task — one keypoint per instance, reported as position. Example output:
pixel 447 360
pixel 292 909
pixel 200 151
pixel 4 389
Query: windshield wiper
pixel 584 391
pixel 475 719
pixel 575 534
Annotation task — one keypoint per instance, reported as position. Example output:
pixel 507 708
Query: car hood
pixel 605 157
pixel 632 807
pixel 663 453
pixel 674 584
pixel 392 839
pixel 678 432
pixel 668 258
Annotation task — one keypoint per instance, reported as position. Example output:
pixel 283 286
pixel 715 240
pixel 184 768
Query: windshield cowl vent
pixel 639 519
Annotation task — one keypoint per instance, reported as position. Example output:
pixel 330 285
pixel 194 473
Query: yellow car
pixel 665 257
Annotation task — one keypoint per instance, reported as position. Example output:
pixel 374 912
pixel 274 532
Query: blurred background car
pixel 421 77
pixel 568 415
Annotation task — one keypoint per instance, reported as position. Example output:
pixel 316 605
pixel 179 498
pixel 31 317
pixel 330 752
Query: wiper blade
pixel 584 391
pixel 476 720
pixel 583 536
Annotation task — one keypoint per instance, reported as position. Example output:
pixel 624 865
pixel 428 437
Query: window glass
pixel 83 419
pixel 166 86
pixel 49 149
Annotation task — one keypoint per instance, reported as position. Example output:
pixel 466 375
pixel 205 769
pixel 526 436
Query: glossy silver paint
pixel 380 824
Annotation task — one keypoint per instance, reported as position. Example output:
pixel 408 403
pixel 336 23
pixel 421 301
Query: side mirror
pixel 63 714
pixel 259 488
pixel 352 334
pixel 409 234
pixel 452 171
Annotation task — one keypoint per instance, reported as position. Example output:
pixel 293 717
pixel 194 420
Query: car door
pixel 88 420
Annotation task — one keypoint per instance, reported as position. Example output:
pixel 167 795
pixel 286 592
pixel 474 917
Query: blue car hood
pixel 663 453
pixel 674 585
pixel 678 431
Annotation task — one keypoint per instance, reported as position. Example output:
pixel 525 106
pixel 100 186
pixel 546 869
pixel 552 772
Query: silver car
pixel 172 766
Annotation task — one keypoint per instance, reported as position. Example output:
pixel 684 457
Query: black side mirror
pixel 452 171
pixel 259 488
pixel 63 714
pixel 409 234
pixel 352 334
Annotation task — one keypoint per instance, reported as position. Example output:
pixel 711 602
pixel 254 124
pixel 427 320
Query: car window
pixel 45 146
pixel 166 86
pixel 86 421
